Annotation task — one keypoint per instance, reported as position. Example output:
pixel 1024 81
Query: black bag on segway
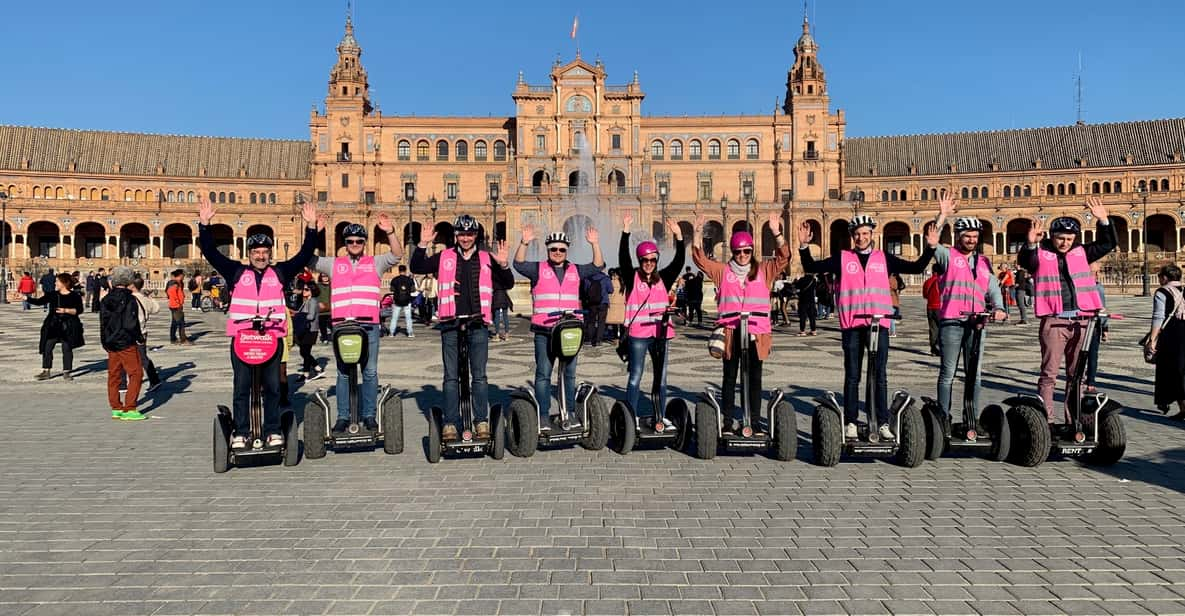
pixel 566 338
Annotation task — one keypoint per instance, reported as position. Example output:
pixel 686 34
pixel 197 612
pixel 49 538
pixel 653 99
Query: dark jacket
pixel 119 320
pixel 48 283
pixel 56 326
pixel 1104 243
pixel 501 299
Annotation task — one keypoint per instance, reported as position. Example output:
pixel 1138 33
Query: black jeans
pixel 269 373
pixel 195 300
pixel 728 392
pixel 594 323
pixel 806 311
pixel 854 342
pixel 67 354
pixel 149 367
pixel 323 325
pixel 306 342
pixel 695 308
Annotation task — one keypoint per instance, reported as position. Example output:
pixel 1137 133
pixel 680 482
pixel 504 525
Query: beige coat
pixel 616 314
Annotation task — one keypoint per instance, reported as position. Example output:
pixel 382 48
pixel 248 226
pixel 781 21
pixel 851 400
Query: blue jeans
pixel 638 347
pixel 854 342
pixel 25 303
pixel 958 337
pixel 395 312
pixel 368 396
pixel 479 351
pixel 543 362
pixel 502 322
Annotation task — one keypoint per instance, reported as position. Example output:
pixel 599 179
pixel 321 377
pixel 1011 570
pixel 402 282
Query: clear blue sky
pixel 253 68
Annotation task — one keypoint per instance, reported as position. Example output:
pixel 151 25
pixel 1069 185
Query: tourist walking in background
pixel 896 284
pixel 176 294
pixel 693 287
pixel 825 295
pixel 600 290
pixel 428 291
pixel 1007 285
pixel 1024 293
pixel 502 305
pixel 148 307
pixel 195 291
pixel 615 317
pixel 1165 342
pixel 323 308
pixel 403 288
pixel 48 283
pixel 60 327
pixel 807 308
pixel 932 291
pixel 304 325
pixel 26 287
pixel 102 285
pixel 119 331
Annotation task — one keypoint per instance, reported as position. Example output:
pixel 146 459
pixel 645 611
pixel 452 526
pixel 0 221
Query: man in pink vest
pixel 466 277
pixel 966 284
pixel 1064 285
pixel 355 291
pixel 863 275
pixel 555 285
pixel 257 289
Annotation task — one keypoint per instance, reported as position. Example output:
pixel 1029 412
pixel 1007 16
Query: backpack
pixel 120 325
pixel 402 287
pixel 193 285
pixel 592 293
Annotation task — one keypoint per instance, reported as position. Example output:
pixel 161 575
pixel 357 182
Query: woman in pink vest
pixel 466 277
pixel 863 275
pixel 355 291
pixel 744 284
pixel 257 288
pixel 645 291
pixel 1064 285
pixel 555 286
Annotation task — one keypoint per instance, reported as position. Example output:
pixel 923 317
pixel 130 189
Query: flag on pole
pixel 575 24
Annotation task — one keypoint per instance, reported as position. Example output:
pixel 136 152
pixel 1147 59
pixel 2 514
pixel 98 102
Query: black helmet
pixel 1065 224
pixel 259 240
pixel 861 220
pixel 354 230
pixel 465 224
pixel 967 223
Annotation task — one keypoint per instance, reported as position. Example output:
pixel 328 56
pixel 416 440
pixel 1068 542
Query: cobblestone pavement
pixel 104 517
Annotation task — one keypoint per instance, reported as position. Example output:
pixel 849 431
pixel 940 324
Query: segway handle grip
pixel 729 315
pixel 560 313
pixel 257 317
pixel 895 317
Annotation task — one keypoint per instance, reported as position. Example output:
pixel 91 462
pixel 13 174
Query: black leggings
pixel 306 342
pixel 67 354
pixel 731 367
pixel 806 310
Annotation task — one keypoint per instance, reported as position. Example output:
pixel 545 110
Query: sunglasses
pixel 648 260
pixel 745 251
pixel 355 242
pixel 559 249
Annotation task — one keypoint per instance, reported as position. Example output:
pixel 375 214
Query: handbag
pixel 1149 355
pixel 716 343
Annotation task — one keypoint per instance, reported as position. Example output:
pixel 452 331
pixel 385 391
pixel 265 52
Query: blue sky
pixel 254 68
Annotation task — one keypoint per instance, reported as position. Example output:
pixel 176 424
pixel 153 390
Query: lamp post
pixel 494 190
pixel 747 191
pixel 409 197
pixel 723 221
pixel 1143 190
pixel 432 205
pixel 3 247
pixel 663 189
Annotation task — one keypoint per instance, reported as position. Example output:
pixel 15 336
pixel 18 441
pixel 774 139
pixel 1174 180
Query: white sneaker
pixel 668 424
pixel 238 442
pixel 275 440
pixel 886 433
pixel 850 431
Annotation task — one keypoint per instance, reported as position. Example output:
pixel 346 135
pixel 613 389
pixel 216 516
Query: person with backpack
pixel 403 289
pixel 120 335
pixel 195 291
pixel 599 291
pixel 176 294
pixel 806 286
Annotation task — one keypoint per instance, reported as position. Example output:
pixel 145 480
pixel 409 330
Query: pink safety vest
pixel 1047 284
pixel 354 289
pixel 862 291
pixel 446 275
pixel 550 294
pixel 247 301
pixel 960 291
pixel 741 294
pixel 642 301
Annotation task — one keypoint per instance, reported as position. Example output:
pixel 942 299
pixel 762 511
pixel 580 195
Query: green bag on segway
pixel 349 347
pixel 566 338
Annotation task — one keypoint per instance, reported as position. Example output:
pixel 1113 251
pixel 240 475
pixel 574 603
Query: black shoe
pixel 341 426
pixel 370 424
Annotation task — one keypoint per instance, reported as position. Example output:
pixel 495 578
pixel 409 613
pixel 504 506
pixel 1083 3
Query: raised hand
pixel 1036 231
pixel 502 256
pixel 309 213
pixel 384 223
pixel 775 222
pixel 804 234
pixel 627 219
pixel 698 226
pixel 932 235
pixel 528 233
pixel 674 229
pixel 1096 207
pixel 322 221
pixel 592 235
pixel 947 204
pixel 206 211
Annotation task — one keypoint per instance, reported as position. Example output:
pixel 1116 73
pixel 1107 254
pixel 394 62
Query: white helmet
pixel 967 223
pixel 861 220
pixel 559 237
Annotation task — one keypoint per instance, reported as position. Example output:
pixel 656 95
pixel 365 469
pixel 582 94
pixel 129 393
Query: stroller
pixel 386 309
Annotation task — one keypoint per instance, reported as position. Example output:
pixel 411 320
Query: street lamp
pixel 409 197
pixel 663 189
pixel 1143 190
pixel 3 247
pixel 724 219
pixel 432 204
pixel 747 191
pixel 494 190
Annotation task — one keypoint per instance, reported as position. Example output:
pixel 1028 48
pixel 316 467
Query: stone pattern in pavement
pixel 105 517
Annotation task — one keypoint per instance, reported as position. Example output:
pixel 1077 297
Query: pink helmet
pixel 740 239
pixel 646 248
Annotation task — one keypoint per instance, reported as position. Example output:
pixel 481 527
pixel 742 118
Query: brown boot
pixel 449 433
pixel 483 430
pixel 44 374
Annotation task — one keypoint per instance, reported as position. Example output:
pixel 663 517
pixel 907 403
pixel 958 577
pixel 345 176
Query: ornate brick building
pixel 577 146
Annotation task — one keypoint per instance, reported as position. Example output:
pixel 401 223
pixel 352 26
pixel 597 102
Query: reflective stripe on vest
pixel 642 302
pixel 446 274
pixel 1047 283
pixel 247 302
pixel 960 291
pixel 739 294
pixel 552 295
pixel 354 290
pixel 862 290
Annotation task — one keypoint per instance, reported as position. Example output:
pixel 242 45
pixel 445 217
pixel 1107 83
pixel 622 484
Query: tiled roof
pixel 1151 142
pixel 53 149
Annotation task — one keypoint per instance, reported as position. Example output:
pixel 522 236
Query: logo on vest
pixel 852 268
pixel 730 277
pixel 449 263
pixel 1048 256
pixel 960 263
pixel 876 267
pixel 545 272
pixel 342 268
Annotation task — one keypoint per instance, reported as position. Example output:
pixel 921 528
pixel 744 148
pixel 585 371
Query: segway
pixel 780 432
pixel 987 433
pixel 467 441
pixel 351 347
pixel 827 425
pixel 254 346
pixel 587 424
pixel 626 429
pixel 1095 430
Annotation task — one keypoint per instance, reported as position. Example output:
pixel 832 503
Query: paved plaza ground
pixel 106 517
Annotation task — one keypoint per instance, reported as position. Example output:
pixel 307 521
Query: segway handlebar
pixel 742 313
pixel 1086 315
pixel 560 313
pixel 988 315
pixel 357 319
pixel 880 317
pixel 257 318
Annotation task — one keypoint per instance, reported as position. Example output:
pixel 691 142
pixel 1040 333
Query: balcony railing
pixel 580 190
pixel 810 155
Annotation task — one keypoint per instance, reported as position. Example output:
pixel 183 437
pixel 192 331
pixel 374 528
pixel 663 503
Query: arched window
pixel 713 150
pixel 1028 190
pixel 403 149
pixel 462 150
pixel 1016 190
pixel 1061 189
pixel 974 192
pixel 893 195
pixel 1106 187
pixel 421 150
pixel 1153 185
pixel 1094 188
pixel 656 150
pixel 1117 187
pixel 222 197
pixel 190 197
pixel 676 150
pixel 479 150
pixel 1072 188
pixel 925 194
pixel 695 150
pixel 251 199
pixel 82 194
pixel 1007 192
pixel 271 198
pixel 169 197
pixel 60 193
pixel 734 149
pixel 966 193
pixel 231 197
pixel 36 192
pixel 139 194
pixel 983 192
pixel 884 195
pixel 752 149
pixel 105 195
pixel 1164 184
pixel 499 150
pixel 1049 189
pixel 442 150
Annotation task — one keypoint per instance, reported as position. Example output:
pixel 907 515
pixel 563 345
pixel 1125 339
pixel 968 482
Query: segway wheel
pixel 523 428
pixel 315 431
pixel 785 431
pixel 598 424
pixel 393 426
pixel 707 430
pixel 826 436
pixel 1112 440
pixel 623 432
pixel 680 416
pixel 993 422
pixel 911 446
pixel 1029 430
pixel 291 438
pixel 498 432
pixel 221 446
pixel 936 431
pixel 434 438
